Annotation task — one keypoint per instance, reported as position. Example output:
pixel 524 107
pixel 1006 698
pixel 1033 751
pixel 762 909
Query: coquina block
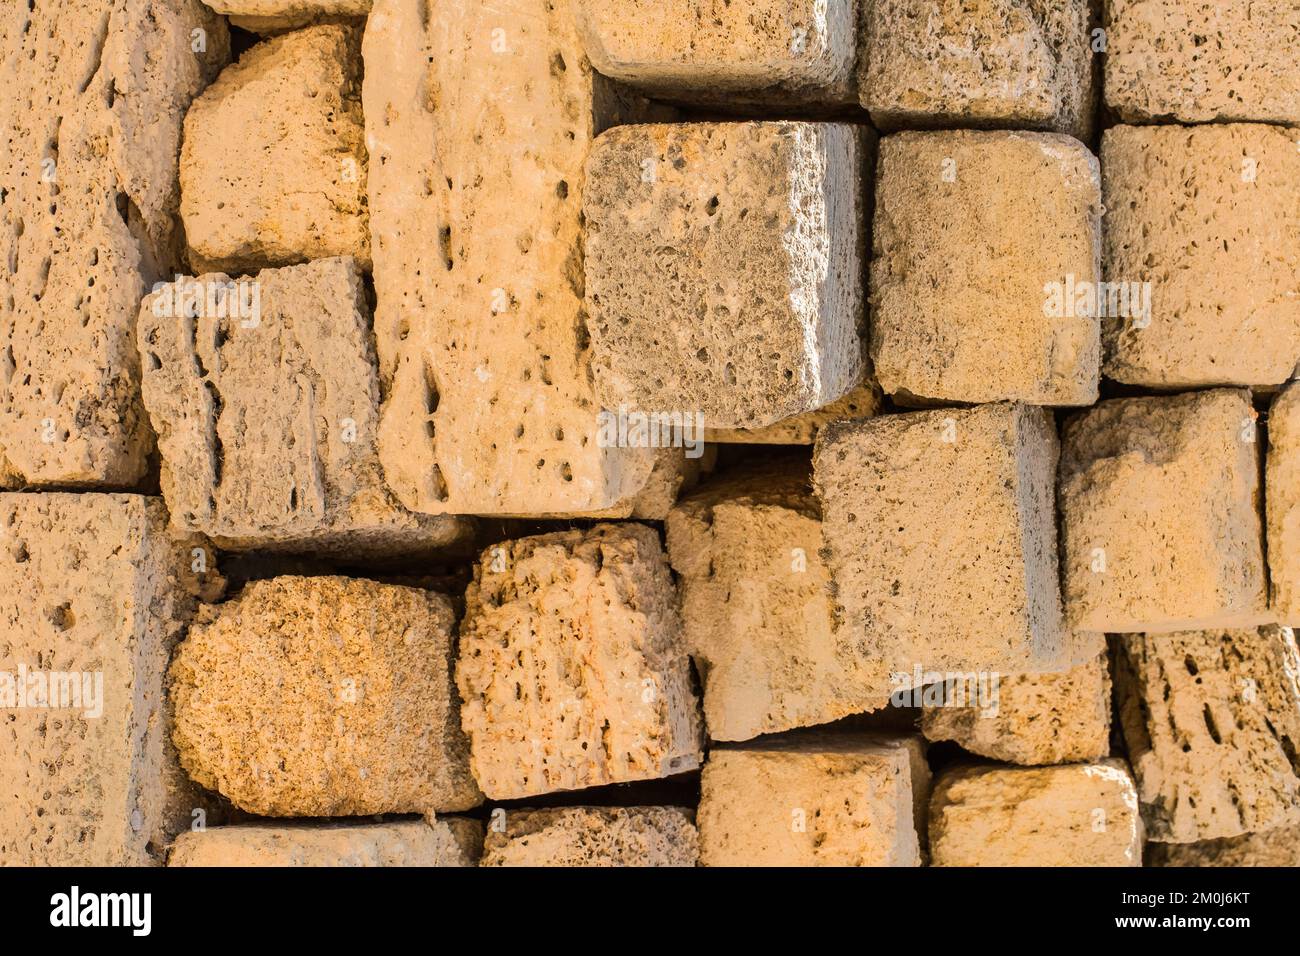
pixel 1282 500
pixel 984 244
pixel 572 666
pixel 1160 514
pixel 593 836
pixel 452 841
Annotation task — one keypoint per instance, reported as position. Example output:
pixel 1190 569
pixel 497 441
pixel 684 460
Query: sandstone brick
pixel 273 169
pixel 715 52
pixel 862 402
pixel 1020 63
pixel 572 667
pixel 1051 718
pixel 324 696
pixel 94 93
pixel 476 188
pixel 1211 719
pixel 267 417
pixel 815 799
pixel 1159 514
pixel 939 523
pixel 594 836
pixel 1076 815
pixel 730 252
pixel 91 587
pixel 1282 502
pixel 1280 847
pixel 756 606
pixel 1198 60
pixel 443 842
pixel 1210 217
pixel 275 16
pixel 973 232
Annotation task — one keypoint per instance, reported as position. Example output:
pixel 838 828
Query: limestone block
pixel 1282 501
pixel 862 402
pixel 92 598
pixel 266 405
pixel 817 799
pixel 756 606
pixel 572 667
pixel 324 696
pixel 594 836
pixel 979 237
pixel 1211 720
pixel 1280 847
pixel 1206 221
pixel 939 523
pixel 1191 61
pixel 94 94
pixel 1025 64
pixel 449 841
pixel 273 169
pixel 730 252
pixel 479 123
pixel 1076 815
pixel 276 16
pixel 1160 514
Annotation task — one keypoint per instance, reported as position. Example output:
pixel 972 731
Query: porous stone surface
pixel 273 168
pixel 324 696
pixel 1192 61
pixel 443 842
pixel 939 523
pixel 732 253
pixel 1025 64
pixel 476 182
pixel 817 799
pixel 1209 218
pixel 267 417
pixel 1076 815
pixel 861 402
pixel 1280 847
pixel 275 16
pixel 93 596
pixel 594 836
pixel 714 52
pixel 1212 721
pixel 973 232
pixel 572 666
pixel 1035 719
pixel 1282 502
pixel 1160 519
pixel 756 606
pixel 94 94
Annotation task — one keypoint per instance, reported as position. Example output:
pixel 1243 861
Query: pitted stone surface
pixel 594 836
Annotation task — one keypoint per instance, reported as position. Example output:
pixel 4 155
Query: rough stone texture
pixel 1026 64
pixel 731 253
pixel 443 842
pixel 1280 847
pixel 90 584
pixel 275 16
pixel 1212 724
pixel 1282 501
pixel 273 169
pixel 815 799
pixel 1038 718
pixel 594 836
pixel 94 92
pixel 268 433
pixel 1210 217
pixel 961 269
pixel 572 667
pixel 324 696
pixel 476 185
pixel 1077 815
pixel 715 52
pixel 940 523
pixel 756 606
pixel 1196 60
pixel 1160 514
pixel 862 402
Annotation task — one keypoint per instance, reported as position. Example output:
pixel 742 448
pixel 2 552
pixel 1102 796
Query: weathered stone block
pixel 594 836
pixel 275 16
pixel 1282 501
pixel 862 402
pixel 1280 847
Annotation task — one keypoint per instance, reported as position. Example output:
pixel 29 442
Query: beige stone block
pixel 981 240
pixel 594 837
pixel 862 402
pixel 93 96
pixel 324 696
pixel 1280 847
pixel 1160 514
pixel 1076 815
pixel 572 666
pixel 1211 719
pixel 1282 505
pixel 276 16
